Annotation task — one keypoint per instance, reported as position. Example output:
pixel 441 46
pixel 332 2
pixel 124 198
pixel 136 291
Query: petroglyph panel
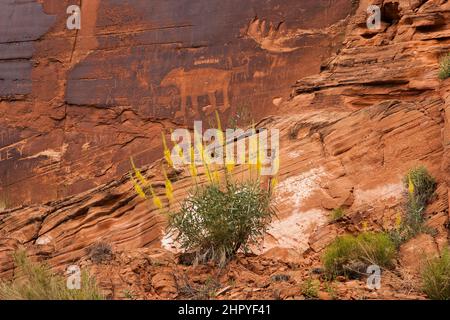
pixel 78 103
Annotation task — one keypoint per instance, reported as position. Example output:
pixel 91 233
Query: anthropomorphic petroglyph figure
pixel 199 82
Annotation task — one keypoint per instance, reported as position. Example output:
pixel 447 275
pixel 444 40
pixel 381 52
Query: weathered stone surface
pixel 416 251
pixel 376 110
pixel 76 104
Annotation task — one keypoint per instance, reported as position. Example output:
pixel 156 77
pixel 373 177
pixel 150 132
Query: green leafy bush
pixel 216 221
pixel 34 281
pixel 363 250
pixel 444 68
pixel 436 277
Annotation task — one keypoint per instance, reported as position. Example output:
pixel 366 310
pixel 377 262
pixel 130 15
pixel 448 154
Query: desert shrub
pixel 365 249
pixel 421 187
pixel 35 281
pixel 436 277
pixel 337 214
pixel 100 252
pixel 221 214
pixel 216 221
pixel 444 67
pixel 310 288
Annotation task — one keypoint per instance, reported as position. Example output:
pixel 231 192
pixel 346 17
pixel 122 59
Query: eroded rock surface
pixel 348 136
pixel 76 104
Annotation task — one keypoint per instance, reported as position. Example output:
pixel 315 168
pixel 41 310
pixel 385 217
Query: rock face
pixel 76 104
pixel 348 134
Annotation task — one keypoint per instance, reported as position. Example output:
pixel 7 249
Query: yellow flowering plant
pixel 221 213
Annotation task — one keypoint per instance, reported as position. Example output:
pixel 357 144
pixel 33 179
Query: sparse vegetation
pixel 242 117
pixel 100 252
pixel 129 295
pixel 421 187
pixel 35 281
pixel 216 221
pixel 348 251
pixel 436 277
pixel 444 67
pixel 337 214
pixel 310 288
pixel 205 291
pixel 330 288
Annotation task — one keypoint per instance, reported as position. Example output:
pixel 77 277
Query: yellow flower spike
pixel 168 158
pixel 252 145
pixel 192 167
pixel 167 180
pixel 138 173
pixel 169 186
pixel 230 166
pixel 219 124
pixel 138 188
pixel 179 151
pixel 365 226
pixel 167 154
pixel 398 221
pixel 273 183
pixel 216 176
pixel 259 161
pixel 410 186
pixel 157 202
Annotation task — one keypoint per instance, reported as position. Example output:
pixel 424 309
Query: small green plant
pixel 35 281
pixel 330 288
pixel 365 249
pixel 444 67
pixel 310 288
pixel 337 214
pixel 129 295
pixel 436 277
pixel 421 187
pixel 216 221
pixel 242 117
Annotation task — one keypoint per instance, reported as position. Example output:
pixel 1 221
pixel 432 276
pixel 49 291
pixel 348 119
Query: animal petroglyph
pixel 199 82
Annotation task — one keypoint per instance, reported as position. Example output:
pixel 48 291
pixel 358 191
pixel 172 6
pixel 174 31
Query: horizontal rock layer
pixel 348 137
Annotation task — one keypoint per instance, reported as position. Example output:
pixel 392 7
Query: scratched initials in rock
pixel 11 153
